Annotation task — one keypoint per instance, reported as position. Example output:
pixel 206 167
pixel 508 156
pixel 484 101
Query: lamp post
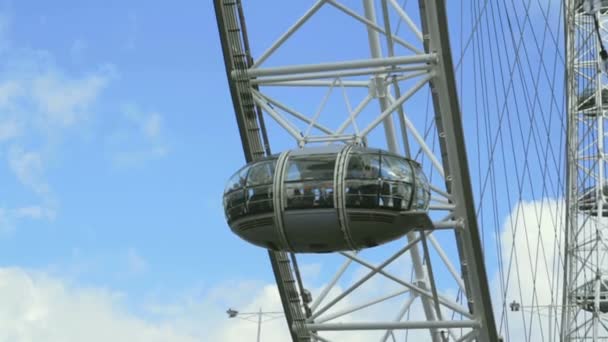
pixel 255 317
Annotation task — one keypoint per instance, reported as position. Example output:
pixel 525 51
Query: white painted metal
pixel 337 66
pixel 394 325
pixel 469 315
pixel 585 248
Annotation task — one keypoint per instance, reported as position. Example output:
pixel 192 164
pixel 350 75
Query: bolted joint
pixel 377 87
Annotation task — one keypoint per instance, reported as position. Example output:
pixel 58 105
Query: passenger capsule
pixel 327 199
pixel 588 203
pixel 586 296
pixel 588 103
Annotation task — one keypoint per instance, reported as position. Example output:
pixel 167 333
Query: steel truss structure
pixel 585 283
pixel 394 69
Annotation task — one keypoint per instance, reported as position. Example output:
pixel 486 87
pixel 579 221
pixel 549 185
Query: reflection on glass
pixel 422 196
pixel 363 166
pixel 249 191
pixel 373 180
pixel 261 173
pixel 235 207
pixel 395 195
pixel 389 185
pixel 238 180
pixel 305 195
pixel 311 168
pixel 394 168
pixel 362 193
pixel 259 199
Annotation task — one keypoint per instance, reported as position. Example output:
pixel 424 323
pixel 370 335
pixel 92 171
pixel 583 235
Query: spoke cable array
pixel 515 54
pixel 512 70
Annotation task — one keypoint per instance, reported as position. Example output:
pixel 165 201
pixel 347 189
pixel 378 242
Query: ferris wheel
pixel 429 159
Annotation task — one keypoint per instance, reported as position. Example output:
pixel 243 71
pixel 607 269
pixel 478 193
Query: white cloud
pixel 36 307
pixel 66 101
pixel 28 167
pixel 232 330
pixel 41 103
pixel 9 91
pixel 140 137
pixel 152 125
pixel 531 241
pixel 10 218
pixel 9 129
pixel 35 212
pixel 39 307
pixel 311 271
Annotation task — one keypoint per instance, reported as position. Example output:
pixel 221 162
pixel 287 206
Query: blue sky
pixel 116 138
pixel 118 135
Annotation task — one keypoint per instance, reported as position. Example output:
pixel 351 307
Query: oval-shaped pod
pixel 327 199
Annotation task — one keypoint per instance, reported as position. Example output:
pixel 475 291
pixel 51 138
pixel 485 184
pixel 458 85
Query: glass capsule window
pixel 309 182
pixel 310 168
pixel 395 195
pixel 259 187
pixel 249 191
pixel 363 166
pixel 361 193
pixel 373 179
pixel 397 169
pixel 261 173
pixel 378 180
pixel 422 195
pixel 237 181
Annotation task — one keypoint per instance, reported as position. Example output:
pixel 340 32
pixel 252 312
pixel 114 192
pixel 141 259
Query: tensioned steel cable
pixel 539 242
pixel 519 86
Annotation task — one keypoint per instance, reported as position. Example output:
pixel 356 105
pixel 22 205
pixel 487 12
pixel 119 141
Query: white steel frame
pixel 429 64
pixel 586 246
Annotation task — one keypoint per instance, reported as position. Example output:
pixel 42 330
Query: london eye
pixel 444 162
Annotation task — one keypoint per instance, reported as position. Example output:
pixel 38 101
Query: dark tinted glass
pixel 363 166
pixel 312 194
pixel 235 204
pixel 237 181
pixel 261 173
pixel 422 195
pixel 362 193
pixel 302 168
pixel 395 195
pixel 394 168
pixel 259 199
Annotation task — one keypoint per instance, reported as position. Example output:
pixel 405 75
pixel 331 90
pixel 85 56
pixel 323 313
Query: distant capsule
pixel 588 201
pixel 588 102
pixel 586 296
pixel 327 199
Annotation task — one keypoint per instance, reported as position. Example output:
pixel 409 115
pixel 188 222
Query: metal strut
pixel 458 181
pixel 585 274
pixel 436 62
pixel 235 47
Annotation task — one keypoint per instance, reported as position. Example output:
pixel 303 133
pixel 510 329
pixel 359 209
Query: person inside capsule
pixel 362 181
pixel 309 182
pixel 383 195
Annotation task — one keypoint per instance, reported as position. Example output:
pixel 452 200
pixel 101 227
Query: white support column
pixel 413 325
pixel 391 139
pixel 337 66
pixel 585 251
